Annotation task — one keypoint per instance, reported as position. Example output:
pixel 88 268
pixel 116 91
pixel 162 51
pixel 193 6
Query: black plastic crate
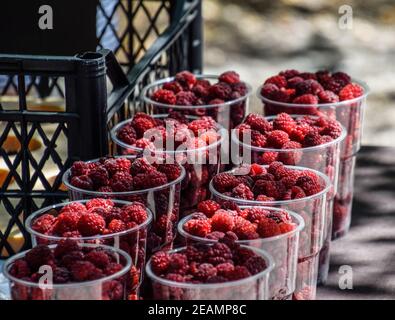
pixel 67 104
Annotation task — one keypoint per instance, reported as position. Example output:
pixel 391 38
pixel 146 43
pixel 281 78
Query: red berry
pixel 208 207
pixel 341 77
pixel 39 256
pixel 116 226
pixel 258 122
pixel 203 271
pixel 328 97
pixel 220 90
pixel 82 182
pixel 91 224
pixel 300 132
pixel 223 182
pixel 127 134
pixel 242 192
pixel 268 228
pixel 312 139
pixel 160 262
pixel 258 139
pixel 142 124
pixel 149 180
pixel 350 91
pixel 100 203
pixel 99 258
pixel 309 185
pixel 164 96
pixel 135 212
pixel 332 129
pixel 306 99
pixel 20 269
pixel 222 221
pixel 244 229
pixel 172 171
pixel 172 86
pixel 185 98
pixel 141 165
pixel 43 223
pixel 290 73
pixel 186 79
pixel 255 264
pixel 85 271
pixel 114 165
pixel 178 263
pixel 269 90
pixel 66 222
pixel 79 168
pixel 229 77
pixel 121 182
pixel 99 176
pixel 279 81
pixel 284 122
pixel 277 138
pixel 199 228
pixel 308 86
pixel 239 272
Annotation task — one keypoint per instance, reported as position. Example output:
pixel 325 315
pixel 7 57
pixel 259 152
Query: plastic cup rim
pixel 41 211
pixel 144 97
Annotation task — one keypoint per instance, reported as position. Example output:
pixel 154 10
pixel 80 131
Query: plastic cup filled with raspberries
pixel 110 222
pixel 70 270
pixel 299 189
pixel 223 97
pixel 192 142
pixel 157 186
pixel 335 95
pixel 308 141
pixel 224 270
pixel 271 229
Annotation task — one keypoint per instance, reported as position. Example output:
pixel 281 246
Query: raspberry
pixel 84 271
pixel 230 77
pixel 286 227
pixel 239 272
pixel 200 91
pixel 306 99
pixel 255 214
pixel 114 165
pixel 309 185
pixel 279 81
pixel 308 75
pixel 277 138
pixel 341 77
pixel 20 269
pixel 290 180
pixel 112 268
pixel 331 84
pixel 160 262
pixel 284 122
pixel 91 224
pixel 327 96
pixel 274 167
pixel 135 212
pixel 175 277
pixel 195 253
pixel 201 125
pixel 121 182
pixel 224 269
pixel 202 271
pixel 268 228
pixel 291 145
pixel 44 223
pixel 225 182
pixel 100 203
pixel 199 228
pixel 308 86
pixel 255 265
pixel 82 182
pixel 69 258
pixel 258 122
pixel 350 91
pixel 149 180
pixel 185 98
pixel 142 124
pixel 222 221
pixel 269 90
pixel 99 176
pixel 332 129
pixel 242 192
pixel 99 258
pixel 172 86
pixel 65 246
pixel 290 73
pixel 218 253
pixel 247 180
pixel 79 168
pixel 164 96
pixel 293 82
pixel 256 169
pixel 283 95
pixel 127 134
pixel 186 79
pixel 312 139
pixel 141 165
pixel 208 207
pixel 220 90
pixel 264 198
pixel 258 139
pixel 116 226
pixel 178 263
pixel 73 207
pixel 268 157
pixel 300 132
pixel 144 144
pixel 244 229
pixel 113 290
pixel 216 102
pixel 38 256
pixel 65 222
pixel 61 275
pixel 215 235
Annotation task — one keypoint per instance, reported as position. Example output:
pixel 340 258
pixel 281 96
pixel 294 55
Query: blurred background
pixel 259 38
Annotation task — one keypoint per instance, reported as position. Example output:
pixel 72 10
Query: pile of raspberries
pixel 70 263
pixel 201 263
pixel 285 132
pixel 121 174
pixel 292 86
pixel 213 220
pixel 186 90
pixel 144 131
pixel 96 217
pixel 277 182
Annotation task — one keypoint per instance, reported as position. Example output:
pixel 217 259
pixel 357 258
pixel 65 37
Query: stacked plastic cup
pixel 313 211
pixel 283 249
pixel 163 201
pixel 228 114
pixel 112 287
pixel 255 287
pixel 200 163
pixel 350 114
pixel 133 241
pixel 324 158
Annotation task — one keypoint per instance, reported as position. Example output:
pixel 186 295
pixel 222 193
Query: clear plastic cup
pixel 342 206
pixel 198 173
pixel 283 249
pixel 251 288
pixel 132 241
pixel 312 209
pixel 113 287
pixel 163 201
pixel 324 158
pixel 228 114
pixel 306 288
pixel 349 113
